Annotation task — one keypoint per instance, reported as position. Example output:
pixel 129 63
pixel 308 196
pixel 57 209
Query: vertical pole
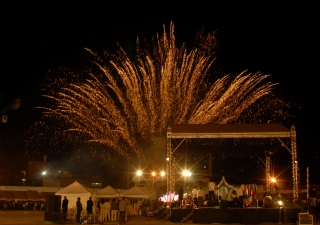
pixel 173 173
pixel 128 167
pixel 153 194
pixel 307 182
pixel 268 178
pixel 210 165
pixel 294 163
pixel 170 178
pixel 280 215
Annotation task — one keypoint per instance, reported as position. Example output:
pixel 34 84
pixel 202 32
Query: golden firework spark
pixel 126 103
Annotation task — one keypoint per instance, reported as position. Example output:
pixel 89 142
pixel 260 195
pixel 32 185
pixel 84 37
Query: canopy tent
pixel 34 195
pixel 20 195
pixel 7 196
pixel 72 192
pixel 186 132
pixel 30 195
pixel 107 192
pixel 135 192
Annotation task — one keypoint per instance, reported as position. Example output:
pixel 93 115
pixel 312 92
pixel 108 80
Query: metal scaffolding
pixel 294 162
pixel 170 164
pixel 268 176
pixel 232 131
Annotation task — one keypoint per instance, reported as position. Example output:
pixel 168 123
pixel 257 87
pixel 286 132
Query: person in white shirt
pixel 194 192
pixel 108 209
pixel 200 196
pixel 103 211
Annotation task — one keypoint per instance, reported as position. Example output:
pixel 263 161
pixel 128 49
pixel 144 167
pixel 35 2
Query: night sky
pixel 273 39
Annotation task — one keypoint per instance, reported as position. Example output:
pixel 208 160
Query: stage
pixel 237 215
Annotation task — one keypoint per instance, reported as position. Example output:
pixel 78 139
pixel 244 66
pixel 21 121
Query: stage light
pixel 186 173
pixel 167 158
pixel 273 180
pixel 280 203
pixel 163 173
pixel 44 173
pixel 139 173
pixel 153 174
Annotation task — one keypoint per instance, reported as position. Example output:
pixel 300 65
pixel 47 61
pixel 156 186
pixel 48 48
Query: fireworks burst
pixel 125 104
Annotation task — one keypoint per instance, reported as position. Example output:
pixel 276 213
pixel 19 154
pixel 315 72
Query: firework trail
pixel 126 103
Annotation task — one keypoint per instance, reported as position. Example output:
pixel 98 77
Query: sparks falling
pixel 126 103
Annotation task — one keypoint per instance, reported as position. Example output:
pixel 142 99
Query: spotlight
pixel 153 174
pixel 186 173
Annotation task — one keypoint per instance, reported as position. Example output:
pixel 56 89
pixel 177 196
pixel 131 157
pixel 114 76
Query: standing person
pixel 108 209
pixel 200 197
pixel 144 207
pixel 180 193
pixel 89 206
pixel 194 192
pixel 122 210
pixel 79 209
pixel 114 210
pixel 313 197
pixel 98 207
pixel 129 209
pixel 234 195
pixel 211 190
pixel 240 194
pixel 65 203
pixel 103 209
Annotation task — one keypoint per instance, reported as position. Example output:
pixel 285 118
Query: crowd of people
pixel 22 205
pixel 196 197
pixel 109 210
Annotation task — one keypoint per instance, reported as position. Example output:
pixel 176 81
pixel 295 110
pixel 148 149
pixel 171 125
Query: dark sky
pixel 274 39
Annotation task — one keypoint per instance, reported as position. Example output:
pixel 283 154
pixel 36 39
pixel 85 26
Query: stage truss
pixel 236 131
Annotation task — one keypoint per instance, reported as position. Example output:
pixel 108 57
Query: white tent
pixel 72 192
pixel 135 192
pixel 107 192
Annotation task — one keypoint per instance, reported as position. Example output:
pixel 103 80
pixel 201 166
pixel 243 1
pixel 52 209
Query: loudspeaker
pixel 53 203
pixel 223 204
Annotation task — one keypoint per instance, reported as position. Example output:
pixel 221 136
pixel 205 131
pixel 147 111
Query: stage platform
pixel 237 215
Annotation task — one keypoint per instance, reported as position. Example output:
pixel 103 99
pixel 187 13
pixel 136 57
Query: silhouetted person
pixel 211 190
pixel 180 193
pixel 313 197
pixel 89 206
pixel 65 203
pixel 79 209
pixel 98 207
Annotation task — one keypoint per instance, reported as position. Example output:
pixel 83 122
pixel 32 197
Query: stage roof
pixel 228 131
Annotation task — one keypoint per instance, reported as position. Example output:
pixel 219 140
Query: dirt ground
pixel 37 218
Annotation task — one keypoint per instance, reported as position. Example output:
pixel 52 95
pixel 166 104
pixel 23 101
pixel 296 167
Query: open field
pixel 37 218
